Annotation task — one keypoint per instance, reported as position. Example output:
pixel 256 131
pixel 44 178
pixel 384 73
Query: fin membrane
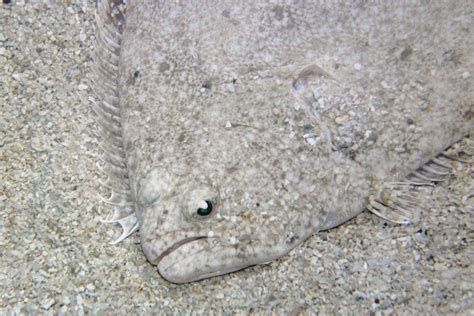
pixel 399 202
pixel 108 36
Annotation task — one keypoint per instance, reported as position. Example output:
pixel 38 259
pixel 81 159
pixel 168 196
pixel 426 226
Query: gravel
pixel 54 253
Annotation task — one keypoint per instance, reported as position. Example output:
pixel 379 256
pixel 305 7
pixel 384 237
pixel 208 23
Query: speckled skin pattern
pixel 285 128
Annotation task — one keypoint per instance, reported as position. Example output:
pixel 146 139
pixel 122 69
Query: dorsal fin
pixel 398 202
pixel 105 71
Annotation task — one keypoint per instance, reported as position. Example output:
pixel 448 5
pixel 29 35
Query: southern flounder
pixel 232 131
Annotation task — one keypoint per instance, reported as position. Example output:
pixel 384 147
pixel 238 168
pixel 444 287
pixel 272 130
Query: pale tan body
pixel 284 128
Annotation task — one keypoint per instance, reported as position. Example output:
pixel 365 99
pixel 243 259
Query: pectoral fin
pixel 400 202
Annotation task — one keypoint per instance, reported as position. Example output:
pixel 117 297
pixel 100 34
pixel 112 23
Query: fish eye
pixel 205 208
pixel 200 203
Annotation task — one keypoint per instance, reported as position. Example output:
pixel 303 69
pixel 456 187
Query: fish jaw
pixel 205 257
pixel 187 256
pixel 195 260
pixel 199 251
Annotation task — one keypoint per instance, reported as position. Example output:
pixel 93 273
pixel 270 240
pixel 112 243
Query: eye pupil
pixel 205 211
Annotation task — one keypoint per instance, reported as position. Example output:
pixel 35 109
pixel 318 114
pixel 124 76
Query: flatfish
pixel 232 131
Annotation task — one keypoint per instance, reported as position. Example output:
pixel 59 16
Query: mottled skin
pixel 285 128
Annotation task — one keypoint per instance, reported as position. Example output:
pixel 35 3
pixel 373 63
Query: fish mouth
pixel 175 246
pixel 192 259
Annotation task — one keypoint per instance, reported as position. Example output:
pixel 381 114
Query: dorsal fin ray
pixel 398 202
pixel 108 33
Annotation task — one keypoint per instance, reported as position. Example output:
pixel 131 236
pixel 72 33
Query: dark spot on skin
pixel 245 237
pixel 231 169
pixel 234 22
pixel 270 298
pixel 278 11
pixel 225 13
pixel 352 154
pixel 406 52
pixel 128 144
pixel 256 145
pixel 307 128
pixel 393 171
pixel 164 66
pixel 159 222
pixel 292 239
pixel 133 78
pixel 453 56
pixel 469 114
pixel 206 86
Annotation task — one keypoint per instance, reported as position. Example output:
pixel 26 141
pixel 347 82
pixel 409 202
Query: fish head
pixel 230 168
pixel 230 193
pixel 195 231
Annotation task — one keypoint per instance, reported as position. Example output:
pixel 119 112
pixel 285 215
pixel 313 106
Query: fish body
pixel 233 132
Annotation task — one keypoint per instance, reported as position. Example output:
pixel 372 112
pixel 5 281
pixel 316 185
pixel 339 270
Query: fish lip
pixel 176 245
pixel 187 278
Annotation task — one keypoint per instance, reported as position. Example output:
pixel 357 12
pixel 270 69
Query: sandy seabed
pixel 54 252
